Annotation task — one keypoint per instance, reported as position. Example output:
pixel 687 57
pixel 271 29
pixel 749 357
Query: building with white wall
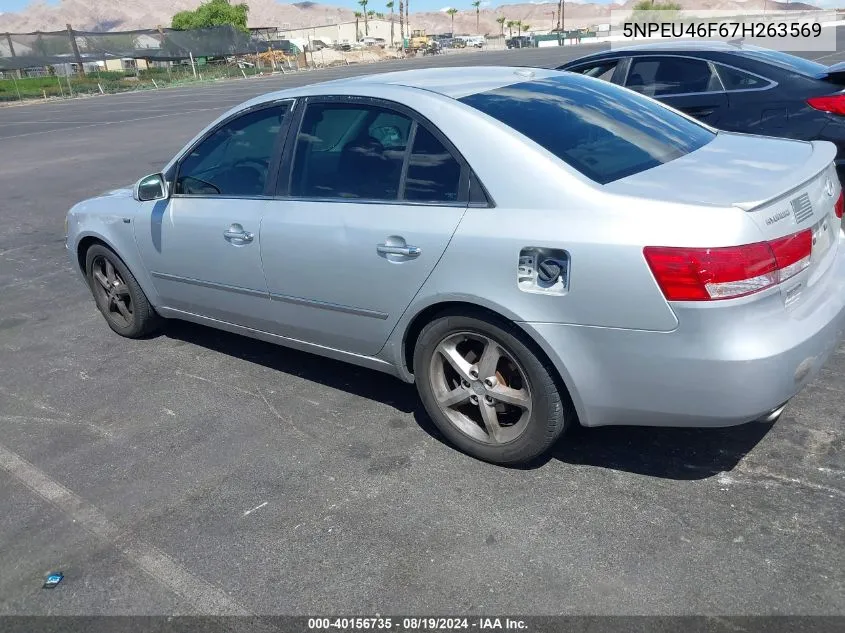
pixel 344 32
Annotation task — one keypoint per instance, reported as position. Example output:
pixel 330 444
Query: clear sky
pixel 17 5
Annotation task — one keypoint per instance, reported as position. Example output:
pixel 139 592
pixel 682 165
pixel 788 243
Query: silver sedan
pixel 535 249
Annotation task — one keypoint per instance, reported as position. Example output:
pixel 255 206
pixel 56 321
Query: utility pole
pixel 75 49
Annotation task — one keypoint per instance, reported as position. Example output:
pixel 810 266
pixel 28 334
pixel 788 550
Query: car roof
pixel 733 46
pixel 455 82
pixel 685 46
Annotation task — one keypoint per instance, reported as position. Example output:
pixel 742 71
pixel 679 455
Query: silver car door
pixel 202 245
pixel 370 199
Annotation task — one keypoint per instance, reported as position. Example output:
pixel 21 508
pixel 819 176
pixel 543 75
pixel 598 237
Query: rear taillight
pixel 840 203
pixel 835 104
pixel 707 274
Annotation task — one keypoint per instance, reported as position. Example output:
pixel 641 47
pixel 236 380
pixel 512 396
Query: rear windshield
pixel 604 131
pixel 785 60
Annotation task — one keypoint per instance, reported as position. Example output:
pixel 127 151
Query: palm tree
pixel 358 16
pixel 452 13
pixel 477 5
pixel 518 26
pixel 510 24
pixel 402 23
pixel 560 23
pixel 408 16
pixel 363 4
pixel 390 5
pixel 525 27
pixel 501 20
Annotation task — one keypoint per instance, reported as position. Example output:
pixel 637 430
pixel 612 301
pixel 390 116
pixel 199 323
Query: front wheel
pixel 487 391
pixel 118 295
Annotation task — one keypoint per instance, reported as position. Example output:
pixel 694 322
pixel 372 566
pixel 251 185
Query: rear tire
pixel 118 295
pixel 487 391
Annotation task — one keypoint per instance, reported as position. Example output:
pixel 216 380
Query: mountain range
pixel 123 15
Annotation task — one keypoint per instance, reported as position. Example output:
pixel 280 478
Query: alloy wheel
pixel 112 292
pixel 480 387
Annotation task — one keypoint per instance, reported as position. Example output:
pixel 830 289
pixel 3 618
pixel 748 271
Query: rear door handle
pixel 700 112
pixel 237 233
pixel 407 251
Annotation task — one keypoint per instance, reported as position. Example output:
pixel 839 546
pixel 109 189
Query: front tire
pixel 118 295
pixel 487 391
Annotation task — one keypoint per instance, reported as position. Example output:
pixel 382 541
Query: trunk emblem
pixel 777 217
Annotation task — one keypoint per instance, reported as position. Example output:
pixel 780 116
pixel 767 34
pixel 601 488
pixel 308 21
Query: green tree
pixel 651 5
pixel 477 5
pixel 402 23
pixel 390 6
pixel 358 16
pixel 501 20
pixel 452 11
pixel 212 13
pixel 525 27
pixel 518 25
pixel 510 24
pixel 642 8
pixel 364 4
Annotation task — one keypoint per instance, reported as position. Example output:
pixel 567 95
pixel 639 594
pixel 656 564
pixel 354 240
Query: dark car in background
pixel 733 87
pixel 520 41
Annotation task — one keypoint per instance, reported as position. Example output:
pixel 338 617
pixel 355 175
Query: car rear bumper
pixel 723 365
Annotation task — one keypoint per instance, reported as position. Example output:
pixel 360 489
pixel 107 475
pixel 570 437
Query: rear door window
pixel 434 175
pixel 600 129
pixel 666 76
pixel 349 151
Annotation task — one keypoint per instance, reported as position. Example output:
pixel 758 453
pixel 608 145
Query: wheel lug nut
pixel 488 382
pixel 473 399
pixel 473 373
pixel 488 399
pixel 465 384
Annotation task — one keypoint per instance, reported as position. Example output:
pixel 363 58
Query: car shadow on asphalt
pixel 668 453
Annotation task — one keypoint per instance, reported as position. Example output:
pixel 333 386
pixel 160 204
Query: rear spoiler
pixel 834 73
pixel 824 152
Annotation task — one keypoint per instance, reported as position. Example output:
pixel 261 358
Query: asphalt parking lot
pixel 201 472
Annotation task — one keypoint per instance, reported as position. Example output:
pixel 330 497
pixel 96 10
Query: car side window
pixel 666 76
pixel 434 175
pixel 234 160
pixel 599 70
pixel 735 79
pixel 349 151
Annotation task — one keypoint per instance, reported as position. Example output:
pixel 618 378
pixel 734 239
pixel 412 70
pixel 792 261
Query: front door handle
pixel 236 233
pixel 407 251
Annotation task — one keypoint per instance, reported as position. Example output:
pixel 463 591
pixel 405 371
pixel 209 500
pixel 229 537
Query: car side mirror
pixel 152 187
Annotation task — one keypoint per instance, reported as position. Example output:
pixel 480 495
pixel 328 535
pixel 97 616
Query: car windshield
pixel 785 60
pixel 602 130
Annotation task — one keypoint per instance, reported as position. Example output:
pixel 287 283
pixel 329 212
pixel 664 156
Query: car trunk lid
pixel 784 187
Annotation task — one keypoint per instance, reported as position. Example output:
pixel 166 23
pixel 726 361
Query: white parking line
pixel 204 598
